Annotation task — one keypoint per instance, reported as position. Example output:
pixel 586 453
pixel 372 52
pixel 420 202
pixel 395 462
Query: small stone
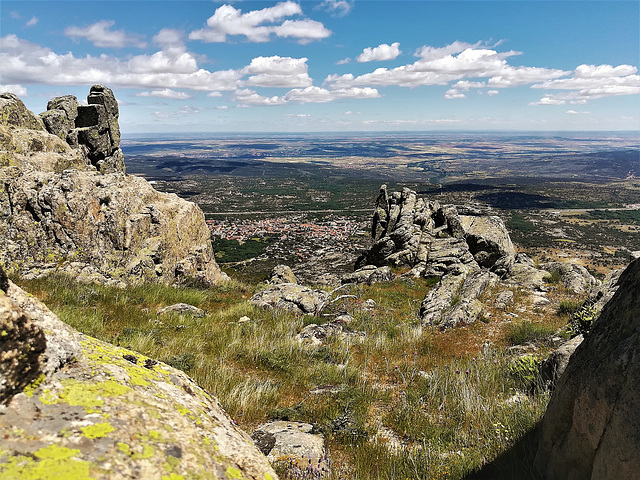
pixel 244 319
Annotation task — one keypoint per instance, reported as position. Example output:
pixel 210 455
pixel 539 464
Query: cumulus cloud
pixel 321 95
pixel 548 100
pixel 439 66
pixel 101 35
pixel 25 62
pixel 380 53
pixel 336 8
pixel 170 39
pixel 260 25
pixel 32 23
pixel 15 89
pixel 251 97
pixel 277 71
pixel 590 82
pixel 214 94
pixel 344 61
pixel 466 85
pixel 453 93
pixel 492 93
pixel 165 93
pixel 442 65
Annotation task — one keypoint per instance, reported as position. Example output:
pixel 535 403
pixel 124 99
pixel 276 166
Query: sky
pixel 333 65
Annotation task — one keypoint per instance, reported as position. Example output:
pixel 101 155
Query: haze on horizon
pixel 333 65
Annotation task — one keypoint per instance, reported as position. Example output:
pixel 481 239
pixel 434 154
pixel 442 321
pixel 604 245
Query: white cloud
pixel 380 53
pixel 337 8
pixel 15 89
pixel 188 110
pixel 453 93
pixel 100 35
pixel 214 94
pixel 344 61
pixel 466 85
pixel 165 93
pixel 574 112
pixel 251 97
pixel 229 21
pixel 591 82
pixel 277 71
pixel 25 62
pixel 322 95
pixel 222 107
pixel 549 100
pixel 299 115
pixel 439 66
pixel 492 93
pixel 165 115
pixel 170 40
pixel 32 23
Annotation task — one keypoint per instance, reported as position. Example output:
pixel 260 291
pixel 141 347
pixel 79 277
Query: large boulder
pixel 590 429
pixel 572 276
pixel 60 211
pixel 107 412
pixel 13 112
pixel 291 296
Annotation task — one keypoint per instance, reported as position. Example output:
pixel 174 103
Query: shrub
pixel 553 277
pixel 524 372
pixel 581 321
pixel 568 307
pixel 526 332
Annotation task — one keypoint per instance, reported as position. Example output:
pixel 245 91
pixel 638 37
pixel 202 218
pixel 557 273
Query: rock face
pixel 435 240
pixel 369 274
pixel 106 412
pixel 282 274
pixel 466 247
pixel 590 429
pixel 291 296
pixel 59 213
pixel 573 277
pixel 292 444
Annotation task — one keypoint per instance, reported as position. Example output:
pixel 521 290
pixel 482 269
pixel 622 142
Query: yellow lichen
pixel 98 430
pixel 233 473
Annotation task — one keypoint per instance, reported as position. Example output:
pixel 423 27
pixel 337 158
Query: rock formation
pixel 61 211
pixel 590 429
pixel 75 407
pixel 291 296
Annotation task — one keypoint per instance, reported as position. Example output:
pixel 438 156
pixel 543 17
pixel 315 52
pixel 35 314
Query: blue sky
pixel 333 65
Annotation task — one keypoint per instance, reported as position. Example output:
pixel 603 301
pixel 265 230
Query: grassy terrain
pixel 408 401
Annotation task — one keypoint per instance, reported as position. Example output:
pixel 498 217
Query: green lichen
pixel 233 472
pixel 50 463
pixel 147 452
pixel 173 476
pixel 89 396
pixel 98 430
pixel 124 448
pixel 29 389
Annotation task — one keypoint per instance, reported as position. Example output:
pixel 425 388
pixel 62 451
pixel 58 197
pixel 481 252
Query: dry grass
pixel 444 395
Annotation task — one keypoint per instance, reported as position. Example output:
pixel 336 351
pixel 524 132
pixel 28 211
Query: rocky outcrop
pixel 282 274
pixel 466 247
pixel 556 363
pixel 590 429
pixel 435 240
pixel 291 296
pixel 369 274
pixel 59 213
pixel 573 277
pixel 93 127
pixel 301 453
pixel 106 412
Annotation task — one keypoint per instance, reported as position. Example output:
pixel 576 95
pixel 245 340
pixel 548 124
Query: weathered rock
pixel 455 300
pixel 61 114
pixel 601 294
pixel 590 429
pixel 115 223
pixel 488 241
pixel 113 413
pixel 316 335
pixel 555 365
pixel 301 451
pixel 14 112
pixel 101 95
pixel 573 277
pixel 524 273
pixel 22 346
pixel 291 296
pixel 504 299
pixel 182 309
pixel 435 240
pixel 282 274
pixel 369 274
